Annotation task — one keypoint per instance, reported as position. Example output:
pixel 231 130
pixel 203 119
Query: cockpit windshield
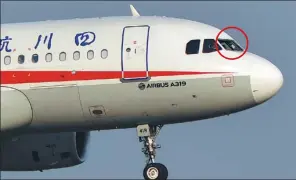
pixel 209 46
pixel 230 45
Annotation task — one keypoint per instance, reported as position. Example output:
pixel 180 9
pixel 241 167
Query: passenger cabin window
pixel 48 57
pixel 90 54
pixel 76 55
pixel 7 60
pixel 209 46
pixel 230 45
pixel 35 58
pixel 63 56
pixel 104 53
pixel 192 46
pixel 21 59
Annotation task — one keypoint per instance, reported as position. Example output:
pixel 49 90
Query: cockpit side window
pixel 192 46
pixel 209 46
pixel 230 45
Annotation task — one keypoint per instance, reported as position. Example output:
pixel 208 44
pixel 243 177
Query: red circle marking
pixel 239 29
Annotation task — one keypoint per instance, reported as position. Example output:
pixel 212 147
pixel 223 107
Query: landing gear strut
pixel 147 134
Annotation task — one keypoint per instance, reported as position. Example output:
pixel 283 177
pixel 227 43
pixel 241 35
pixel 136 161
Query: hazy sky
pixel 257 143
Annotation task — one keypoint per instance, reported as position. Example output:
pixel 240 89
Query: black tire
pixel 157 171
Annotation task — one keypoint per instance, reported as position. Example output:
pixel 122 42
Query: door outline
pixel 147 78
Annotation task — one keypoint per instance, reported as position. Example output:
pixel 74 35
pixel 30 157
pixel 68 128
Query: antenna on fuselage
pixel 134 11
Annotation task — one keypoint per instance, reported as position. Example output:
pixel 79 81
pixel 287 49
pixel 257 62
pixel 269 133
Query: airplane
pixel 62 79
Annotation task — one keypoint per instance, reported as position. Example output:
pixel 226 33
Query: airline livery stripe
pixel 19 77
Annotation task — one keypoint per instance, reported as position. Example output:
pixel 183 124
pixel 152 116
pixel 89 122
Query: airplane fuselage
pixel 109 73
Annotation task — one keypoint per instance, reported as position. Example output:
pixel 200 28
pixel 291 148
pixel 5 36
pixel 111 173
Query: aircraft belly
pixel 129 104
pixel 124 105
pixel 16 110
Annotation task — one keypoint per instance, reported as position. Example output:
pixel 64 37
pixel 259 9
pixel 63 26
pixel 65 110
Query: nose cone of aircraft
pixel 266 81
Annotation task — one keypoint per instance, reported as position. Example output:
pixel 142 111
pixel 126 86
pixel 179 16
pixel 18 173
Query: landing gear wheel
pixel 155 171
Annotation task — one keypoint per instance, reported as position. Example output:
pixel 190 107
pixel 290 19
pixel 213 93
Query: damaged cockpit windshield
pixel 230 45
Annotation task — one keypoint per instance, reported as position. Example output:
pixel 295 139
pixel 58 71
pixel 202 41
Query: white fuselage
pixel 121 72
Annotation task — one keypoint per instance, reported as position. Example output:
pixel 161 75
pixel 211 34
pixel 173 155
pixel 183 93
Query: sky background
pixel 256 143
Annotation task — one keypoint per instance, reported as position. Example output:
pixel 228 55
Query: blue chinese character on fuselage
pixel 4 43
pixel 46 40
pixel 85 38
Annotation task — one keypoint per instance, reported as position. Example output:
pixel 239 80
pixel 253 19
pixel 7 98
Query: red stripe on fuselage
pixel 19 77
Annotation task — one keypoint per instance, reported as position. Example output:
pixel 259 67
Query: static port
pixel 97 112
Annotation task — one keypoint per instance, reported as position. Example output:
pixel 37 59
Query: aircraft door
pixel 134 53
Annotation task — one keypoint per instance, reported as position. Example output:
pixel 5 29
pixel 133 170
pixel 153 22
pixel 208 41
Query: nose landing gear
pixel 147 134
